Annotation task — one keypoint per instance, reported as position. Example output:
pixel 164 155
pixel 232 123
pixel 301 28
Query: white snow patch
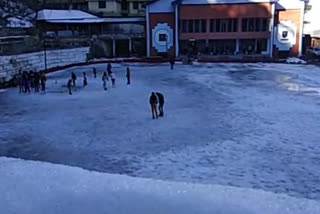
pixel 295 60
pixel 31 187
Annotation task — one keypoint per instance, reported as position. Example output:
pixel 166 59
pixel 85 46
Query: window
pixel 102 4
pixel 203 25
pixel 190 26
pixel 265 25
pixel 244 25
pixel 223 25
pixel 251 25
pixel 255 25
pixel 184 25
pixel 135 5
pixel 197 26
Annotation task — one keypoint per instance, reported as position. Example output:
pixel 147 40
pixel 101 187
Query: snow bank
pixel 295 60
pixel 32 187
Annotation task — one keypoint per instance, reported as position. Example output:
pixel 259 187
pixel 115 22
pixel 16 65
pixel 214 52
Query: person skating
pixel 161 103
pixel 85 81
pixel 74 79
pixel 172 60
pixel 113 79
pixel 104 80
pixel 36 79
pixel 128 75
pixel 43 80
pixel 69 85
pixel 153 102
pixel 95 72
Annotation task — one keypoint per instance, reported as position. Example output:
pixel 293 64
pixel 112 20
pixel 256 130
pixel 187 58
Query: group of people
pixel 109 74
pixel 156 99
pixel 31 80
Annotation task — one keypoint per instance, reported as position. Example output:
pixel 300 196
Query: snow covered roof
pixel 64 15
pixel 17 22
pixel 78 16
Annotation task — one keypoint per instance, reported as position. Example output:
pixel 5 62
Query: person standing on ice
pixel 27 82
pixel 74 79
pixel 20 82
pixel 95 72
pixel 104 80
pixel 161 103
pixel 113 79
pixel 172 62
pixel 109 67
pixel 153 100
pixel 128 75
pixel 85 81
pixel 43 80
pixel 69 85
pixel 36 78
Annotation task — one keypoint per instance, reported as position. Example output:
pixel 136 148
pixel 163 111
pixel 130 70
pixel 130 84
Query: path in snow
pixel 248 125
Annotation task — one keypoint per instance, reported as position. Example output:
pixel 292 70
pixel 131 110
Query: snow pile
pixel 295 60
pixel 31 187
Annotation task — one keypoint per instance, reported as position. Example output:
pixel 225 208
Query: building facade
pixel 235 28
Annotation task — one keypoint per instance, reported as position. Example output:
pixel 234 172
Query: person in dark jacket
pixel 85 81
pixel 172 60
pixel 36 82
pixel 109 67
pixel 20 82
pixel 128 76
pixel 27 82
pixel 95 72
pixel 161 103
pixel 153 100
pixel 74 79
pixel 43 80
pixel 69 85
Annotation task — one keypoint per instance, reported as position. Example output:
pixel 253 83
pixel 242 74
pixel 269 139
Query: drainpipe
pixel 177 30
pixel 148 31
pixel 273 12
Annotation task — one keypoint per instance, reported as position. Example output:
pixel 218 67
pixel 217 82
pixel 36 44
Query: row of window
pixel 225 25
pixel 103 4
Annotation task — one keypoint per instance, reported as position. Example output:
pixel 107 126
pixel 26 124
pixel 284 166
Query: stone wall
pixel 10 65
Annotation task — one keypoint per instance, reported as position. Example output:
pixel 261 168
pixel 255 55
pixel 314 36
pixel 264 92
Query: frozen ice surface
pixel 35 188
pixel 244 125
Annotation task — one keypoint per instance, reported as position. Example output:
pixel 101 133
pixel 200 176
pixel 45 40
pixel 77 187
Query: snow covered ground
pixel 36 188
pixel 244 125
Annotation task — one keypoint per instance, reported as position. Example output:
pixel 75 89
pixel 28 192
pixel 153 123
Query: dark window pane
pixel 203 26
pixel 135 5
pixel 235 25
pixel 190 26
pixel 244 25
pixel 197 26
pixel 230 23
pixel 212 25
pixel 223 25
pixel 265 25
pixel 102 4
pixel 258 25
pixel 218 24
pixel 251 25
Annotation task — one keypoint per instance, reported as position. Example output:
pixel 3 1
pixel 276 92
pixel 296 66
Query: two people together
pixel 155 99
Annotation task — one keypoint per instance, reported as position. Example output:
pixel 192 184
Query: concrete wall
pixel 10 65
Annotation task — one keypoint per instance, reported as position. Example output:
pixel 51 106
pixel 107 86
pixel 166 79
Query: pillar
pixel 237 46
pixel 114 47
pixel 177 30
pixel 130 47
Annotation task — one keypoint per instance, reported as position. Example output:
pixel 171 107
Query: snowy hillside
pixel 35 188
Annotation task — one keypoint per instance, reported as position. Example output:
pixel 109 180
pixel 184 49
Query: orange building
pixel 231 28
